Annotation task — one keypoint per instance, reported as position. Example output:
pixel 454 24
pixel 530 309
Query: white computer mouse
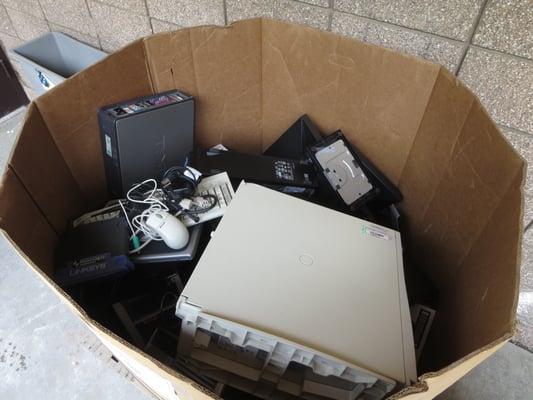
pixel 171 229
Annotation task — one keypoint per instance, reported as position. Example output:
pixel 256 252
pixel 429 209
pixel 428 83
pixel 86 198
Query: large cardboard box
pixel 461 180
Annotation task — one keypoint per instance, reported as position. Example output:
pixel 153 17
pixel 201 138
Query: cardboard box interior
pixel 461 180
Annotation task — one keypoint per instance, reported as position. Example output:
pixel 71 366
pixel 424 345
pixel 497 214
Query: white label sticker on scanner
pixel 108 148
pixel 375 231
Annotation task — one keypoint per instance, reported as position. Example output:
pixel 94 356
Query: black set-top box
pixel 142 138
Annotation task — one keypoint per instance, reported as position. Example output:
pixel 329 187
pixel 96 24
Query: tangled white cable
pixel 138 223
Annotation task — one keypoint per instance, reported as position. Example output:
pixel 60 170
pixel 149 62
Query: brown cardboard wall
pixel 224 68
pixel 43 171
pixel 377 97
pixel 480 169
pixel 478 280
pixel 480 301
pixel 170 60
pixel 221 67
pixel 445 114
pixel 70 112
pixel 24 222
pixel 462 188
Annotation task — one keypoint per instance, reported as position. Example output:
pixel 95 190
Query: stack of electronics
pixel 291 261
pixel 159 203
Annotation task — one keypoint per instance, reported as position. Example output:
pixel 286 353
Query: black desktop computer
pixel 142 138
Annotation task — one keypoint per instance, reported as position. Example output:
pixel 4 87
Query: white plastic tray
pixel 258 362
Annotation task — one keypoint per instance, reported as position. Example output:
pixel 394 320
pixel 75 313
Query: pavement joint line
pixel 514 130
pixel 471 36
pixel 93 20
pixel 329 6
pixel 11 21
pixel 520 345
pixel 44 16
pixel 225 11
pixel 489 50
pixel 330 14
pixel 393 24
pixel 149 17
pixel 522 133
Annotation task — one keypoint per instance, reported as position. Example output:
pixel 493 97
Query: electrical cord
pixel 180 183
pixel 177 195
pixel 201 210
pixel 126 215
pixel 175 203
pixel 143 194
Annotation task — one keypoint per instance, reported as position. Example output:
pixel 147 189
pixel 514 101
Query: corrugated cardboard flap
pixel 70 113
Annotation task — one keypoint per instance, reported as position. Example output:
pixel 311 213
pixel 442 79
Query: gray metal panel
pixel 60 54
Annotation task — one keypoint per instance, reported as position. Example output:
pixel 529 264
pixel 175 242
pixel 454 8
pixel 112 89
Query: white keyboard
pixel 218 185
